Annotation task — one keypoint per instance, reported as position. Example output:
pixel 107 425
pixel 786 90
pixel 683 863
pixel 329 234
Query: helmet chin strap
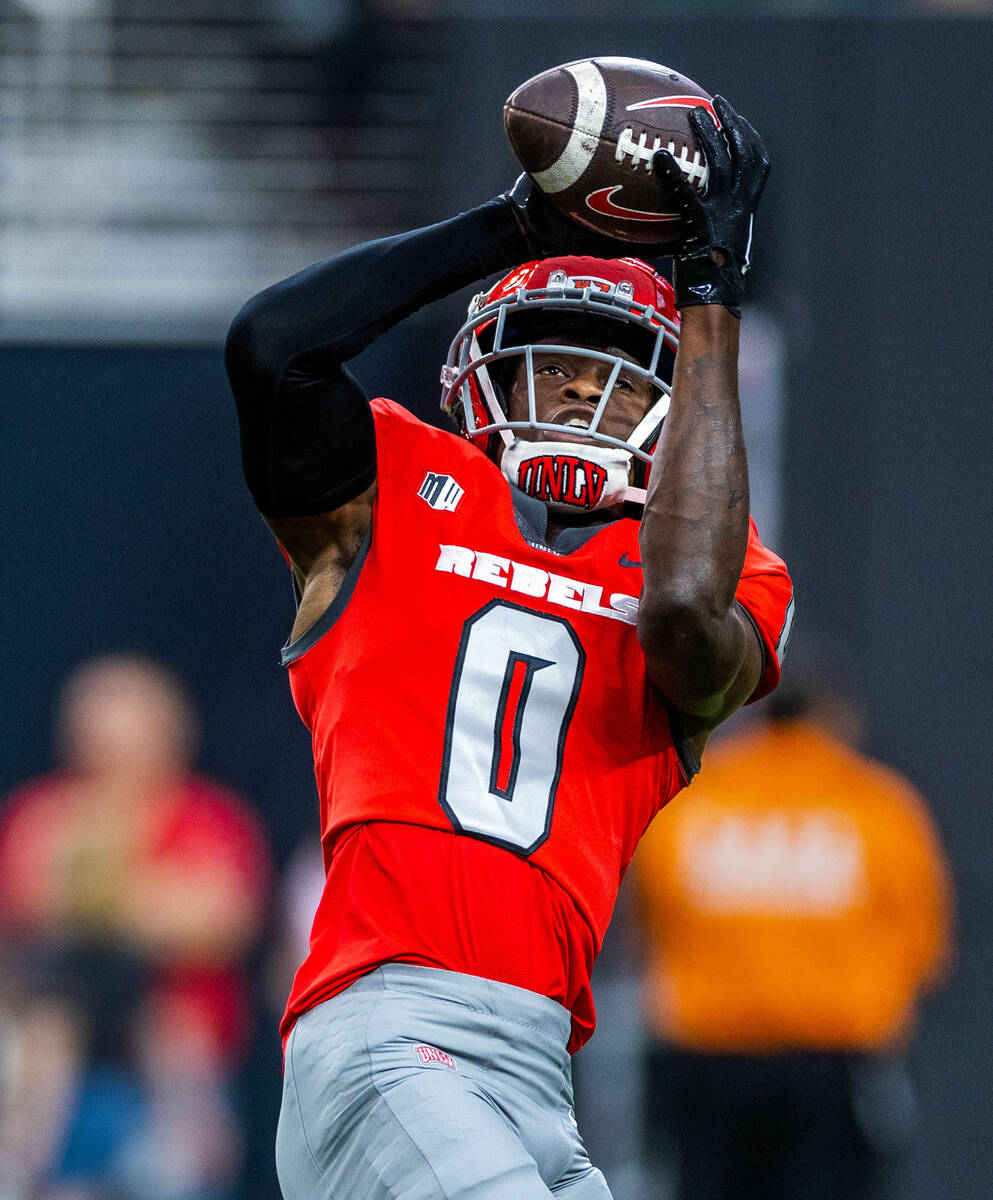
pixel 570 477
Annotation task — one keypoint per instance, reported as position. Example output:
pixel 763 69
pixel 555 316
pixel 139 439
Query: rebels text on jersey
pixel 488 747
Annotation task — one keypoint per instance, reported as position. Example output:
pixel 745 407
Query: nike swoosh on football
pixel 628 562
pixel 602 202
pixel 677 102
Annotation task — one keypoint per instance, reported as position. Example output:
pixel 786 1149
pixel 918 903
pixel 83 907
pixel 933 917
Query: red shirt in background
pixel 65 877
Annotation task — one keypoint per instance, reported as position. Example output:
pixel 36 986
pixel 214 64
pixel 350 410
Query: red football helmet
pixel 563 297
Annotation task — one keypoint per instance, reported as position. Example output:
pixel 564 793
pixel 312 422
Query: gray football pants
pixel 418 1084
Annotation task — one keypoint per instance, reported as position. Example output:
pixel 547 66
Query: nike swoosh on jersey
pixel 628 562
pixel 602 202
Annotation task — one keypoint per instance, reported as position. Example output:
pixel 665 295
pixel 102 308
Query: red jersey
pixel 487 744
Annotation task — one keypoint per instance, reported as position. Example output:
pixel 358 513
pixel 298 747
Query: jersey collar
pixel 531 516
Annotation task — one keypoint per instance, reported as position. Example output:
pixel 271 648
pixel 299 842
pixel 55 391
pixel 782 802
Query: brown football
pixel 586 131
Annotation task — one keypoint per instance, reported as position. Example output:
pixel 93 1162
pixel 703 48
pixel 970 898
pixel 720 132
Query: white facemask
pixel 570 477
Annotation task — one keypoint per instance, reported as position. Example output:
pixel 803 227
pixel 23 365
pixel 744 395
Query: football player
pixel 510 647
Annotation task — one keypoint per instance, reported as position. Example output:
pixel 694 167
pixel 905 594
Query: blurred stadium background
pixel 161 160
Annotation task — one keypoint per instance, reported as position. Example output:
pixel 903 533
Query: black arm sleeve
pixel 307 437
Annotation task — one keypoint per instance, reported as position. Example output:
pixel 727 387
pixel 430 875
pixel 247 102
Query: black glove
pixel 549 234
pixel 721 219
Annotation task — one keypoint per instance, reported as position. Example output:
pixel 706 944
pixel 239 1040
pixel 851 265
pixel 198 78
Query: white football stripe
pixel 581 147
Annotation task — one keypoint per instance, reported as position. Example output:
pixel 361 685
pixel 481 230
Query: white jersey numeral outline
pixel 502 639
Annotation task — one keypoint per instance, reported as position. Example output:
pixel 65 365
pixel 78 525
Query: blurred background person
pixel 131 892
pixel 793 909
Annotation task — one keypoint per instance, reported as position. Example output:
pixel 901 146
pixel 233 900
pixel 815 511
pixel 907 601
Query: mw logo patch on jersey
pixel 441 492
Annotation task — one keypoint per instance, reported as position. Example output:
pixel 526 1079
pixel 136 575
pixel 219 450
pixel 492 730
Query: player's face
pixel 567 389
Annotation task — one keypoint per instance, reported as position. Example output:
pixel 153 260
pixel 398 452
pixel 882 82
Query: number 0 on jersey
pixel 515 688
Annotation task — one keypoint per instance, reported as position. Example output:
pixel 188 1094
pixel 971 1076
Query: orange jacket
pixel 795 896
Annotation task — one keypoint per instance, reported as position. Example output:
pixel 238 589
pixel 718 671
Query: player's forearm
pixel 332 310
pixel 694 532
pixel 307 437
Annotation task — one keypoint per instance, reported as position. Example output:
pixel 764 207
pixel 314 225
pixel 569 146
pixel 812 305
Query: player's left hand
pixel 549 234
pixel 721 220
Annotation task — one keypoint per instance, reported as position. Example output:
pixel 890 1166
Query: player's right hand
pixel 721 220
